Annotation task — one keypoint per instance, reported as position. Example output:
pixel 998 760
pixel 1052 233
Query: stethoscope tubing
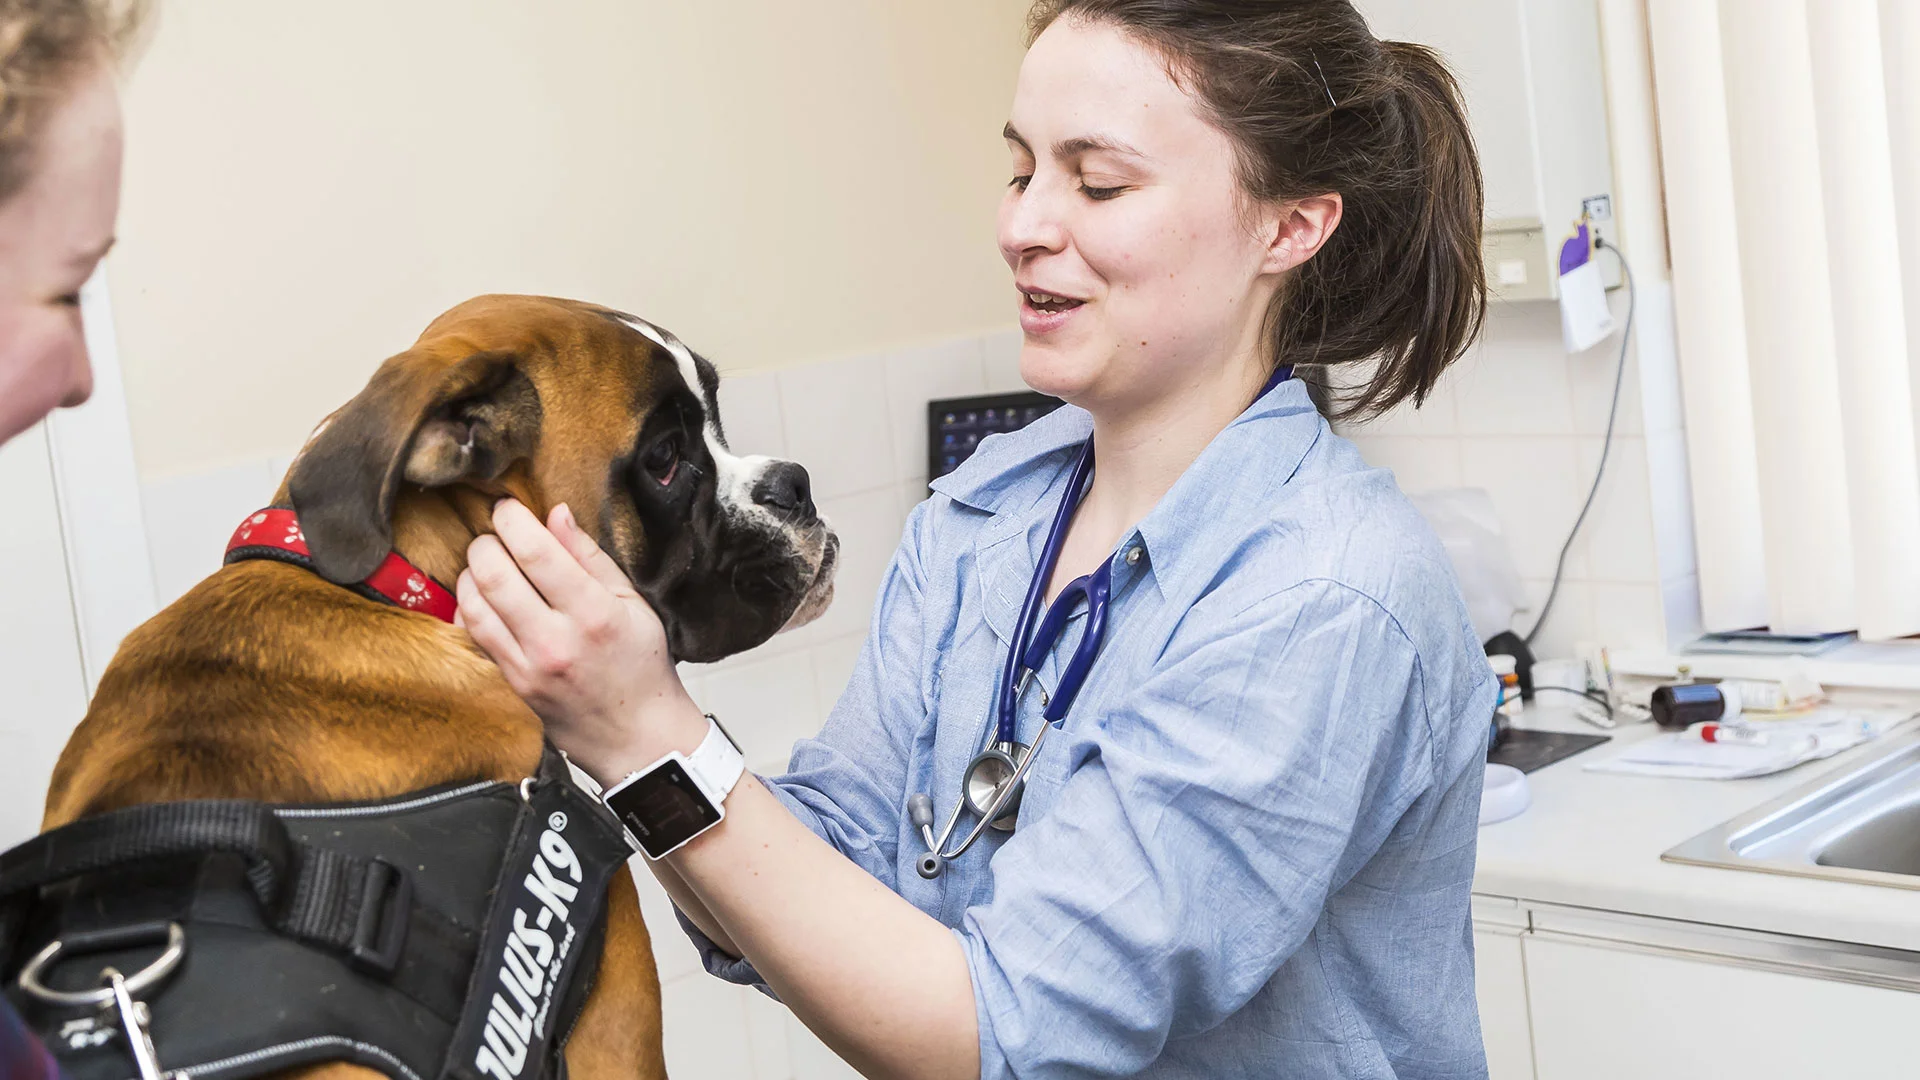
pixel 1011 682
pixel 1025 655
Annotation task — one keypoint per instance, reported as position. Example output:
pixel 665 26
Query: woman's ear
pixel 1297 229
pixel 420 419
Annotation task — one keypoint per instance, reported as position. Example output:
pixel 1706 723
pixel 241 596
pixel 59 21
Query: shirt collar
pixel 1234 481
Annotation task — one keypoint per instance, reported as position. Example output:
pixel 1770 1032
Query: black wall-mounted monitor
pixel 956 425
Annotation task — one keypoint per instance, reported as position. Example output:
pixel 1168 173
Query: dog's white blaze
pixel 736 475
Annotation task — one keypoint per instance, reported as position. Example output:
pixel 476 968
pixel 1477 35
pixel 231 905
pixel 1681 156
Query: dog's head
pixel 559 401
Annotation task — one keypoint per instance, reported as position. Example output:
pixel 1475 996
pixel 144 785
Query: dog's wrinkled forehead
pixel 734 476
pixel 699 375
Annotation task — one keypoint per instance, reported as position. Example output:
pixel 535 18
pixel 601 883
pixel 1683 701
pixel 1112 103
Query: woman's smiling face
pixel 1126 207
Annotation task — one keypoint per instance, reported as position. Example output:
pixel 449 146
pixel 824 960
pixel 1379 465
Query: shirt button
pixel 1133 555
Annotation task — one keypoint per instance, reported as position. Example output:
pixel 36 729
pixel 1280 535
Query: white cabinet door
pixel 1602 1013
pixel 43 687
pixel 1500 982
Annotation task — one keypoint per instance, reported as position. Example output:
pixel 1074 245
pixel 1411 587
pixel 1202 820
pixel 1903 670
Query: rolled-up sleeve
pixel 1198 834
pixel 846 784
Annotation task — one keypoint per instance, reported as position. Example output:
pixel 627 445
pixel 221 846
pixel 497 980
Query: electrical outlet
pixel 1597 207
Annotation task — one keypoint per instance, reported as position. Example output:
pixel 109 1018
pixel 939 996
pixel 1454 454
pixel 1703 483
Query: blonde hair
pixel 44 44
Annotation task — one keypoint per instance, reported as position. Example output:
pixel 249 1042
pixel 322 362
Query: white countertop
pixel 1593 840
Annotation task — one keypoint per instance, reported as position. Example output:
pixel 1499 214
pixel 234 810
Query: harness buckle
pixel 380 929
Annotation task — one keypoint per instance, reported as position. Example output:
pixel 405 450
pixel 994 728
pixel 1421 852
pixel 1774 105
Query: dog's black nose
pixel 784 489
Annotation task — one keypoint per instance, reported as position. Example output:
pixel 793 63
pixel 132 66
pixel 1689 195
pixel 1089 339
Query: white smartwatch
pixel 679 796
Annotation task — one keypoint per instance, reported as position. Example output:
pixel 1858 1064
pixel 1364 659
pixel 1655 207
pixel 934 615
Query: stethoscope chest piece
pixel 989 774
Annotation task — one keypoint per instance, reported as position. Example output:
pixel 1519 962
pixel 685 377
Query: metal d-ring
pixel 526 791
pixel 139 982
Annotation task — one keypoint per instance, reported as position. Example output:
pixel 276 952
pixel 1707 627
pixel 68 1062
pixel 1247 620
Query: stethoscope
pixel 994 780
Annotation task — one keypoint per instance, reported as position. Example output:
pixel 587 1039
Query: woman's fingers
pixel 584 549
pixel 486 628
pixel 512 598
pixel 552 569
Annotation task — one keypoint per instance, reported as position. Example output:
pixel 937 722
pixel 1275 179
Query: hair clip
pixel 1323 79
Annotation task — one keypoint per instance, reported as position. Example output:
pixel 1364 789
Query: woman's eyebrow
pixel 1087 144
pixel 1078 145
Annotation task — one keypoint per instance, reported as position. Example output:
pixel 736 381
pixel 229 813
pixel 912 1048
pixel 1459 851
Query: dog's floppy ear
pixel 428 423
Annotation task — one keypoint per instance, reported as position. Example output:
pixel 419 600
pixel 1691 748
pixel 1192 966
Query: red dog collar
pixel 274 533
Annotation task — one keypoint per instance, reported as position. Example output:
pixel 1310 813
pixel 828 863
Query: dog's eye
pixel 663 461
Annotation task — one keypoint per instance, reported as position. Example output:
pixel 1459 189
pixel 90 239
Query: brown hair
pixel 43 45
pixel 1317 104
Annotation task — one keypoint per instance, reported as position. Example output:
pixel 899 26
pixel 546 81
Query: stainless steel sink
pixel 1860 824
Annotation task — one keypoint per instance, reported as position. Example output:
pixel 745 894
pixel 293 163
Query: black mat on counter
pixel 1529 750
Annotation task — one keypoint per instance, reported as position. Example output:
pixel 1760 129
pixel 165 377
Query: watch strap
pixel 717 763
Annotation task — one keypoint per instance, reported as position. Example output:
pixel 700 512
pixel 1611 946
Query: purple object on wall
pixel 1574 253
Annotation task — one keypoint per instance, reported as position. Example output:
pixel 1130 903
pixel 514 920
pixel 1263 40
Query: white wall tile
pixel 750 414
pixel 767 1022
pixel 673 953
pixel 191 517
pixel 1536 488
pixel 869 525
pixel 811 1058
pixel 1618 535
pixel 1629 616
pixel 704 1024
pixel 837 424
pixel 1419 464
pixel 765 704
pixel 1515 381
pixel 1000 357
pixel 1434 418
pixel 833 663
pixel 912 493
pixel 1568 624
pixel 1590 376
pixel 917 376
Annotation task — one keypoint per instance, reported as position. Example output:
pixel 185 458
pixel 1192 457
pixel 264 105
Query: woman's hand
pixel 575 640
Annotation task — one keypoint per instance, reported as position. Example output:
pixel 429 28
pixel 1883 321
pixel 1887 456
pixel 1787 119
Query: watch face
pixel 663 808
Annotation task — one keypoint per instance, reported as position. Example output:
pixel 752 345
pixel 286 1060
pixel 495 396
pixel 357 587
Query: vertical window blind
pixel 1790 142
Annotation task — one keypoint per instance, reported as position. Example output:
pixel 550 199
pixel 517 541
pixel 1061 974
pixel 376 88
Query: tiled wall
pixel 1523 420
pixel 859 425
pixel 1517 417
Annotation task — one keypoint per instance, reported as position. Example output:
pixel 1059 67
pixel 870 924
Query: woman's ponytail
pixel 1317 104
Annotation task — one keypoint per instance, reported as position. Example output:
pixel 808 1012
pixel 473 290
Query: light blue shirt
pixel 1247 851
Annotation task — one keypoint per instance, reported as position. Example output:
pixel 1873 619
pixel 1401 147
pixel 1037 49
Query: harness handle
pixel 360 906
pixel 157 831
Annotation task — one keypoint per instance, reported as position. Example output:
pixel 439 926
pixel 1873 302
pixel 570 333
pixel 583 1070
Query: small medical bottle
pixel 1503 667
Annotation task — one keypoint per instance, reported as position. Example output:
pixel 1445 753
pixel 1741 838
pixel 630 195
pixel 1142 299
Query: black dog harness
pixel 450 934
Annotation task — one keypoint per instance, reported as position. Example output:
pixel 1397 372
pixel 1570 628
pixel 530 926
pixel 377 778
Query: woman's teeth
pixel 1050 302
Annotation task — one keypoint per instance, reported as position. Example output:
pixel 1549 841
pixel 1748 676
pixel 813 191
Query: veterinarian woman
pixel 60 149
pixel 1245 850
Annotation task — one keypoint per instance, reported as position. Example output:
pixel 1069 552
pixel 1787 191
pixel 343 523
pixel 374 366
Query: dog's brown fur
pixel 268 682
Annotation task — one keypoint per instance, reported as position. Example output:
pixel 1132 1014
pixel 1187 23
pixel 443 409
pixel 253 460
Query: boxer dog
pixel 272 682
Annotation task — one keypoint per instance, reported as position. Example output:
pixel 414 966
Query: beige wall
pixel 775 181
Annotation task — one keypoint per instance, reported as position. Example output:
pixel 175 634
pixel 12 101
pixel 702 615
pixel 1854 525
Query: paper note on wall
pixel 1585 318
